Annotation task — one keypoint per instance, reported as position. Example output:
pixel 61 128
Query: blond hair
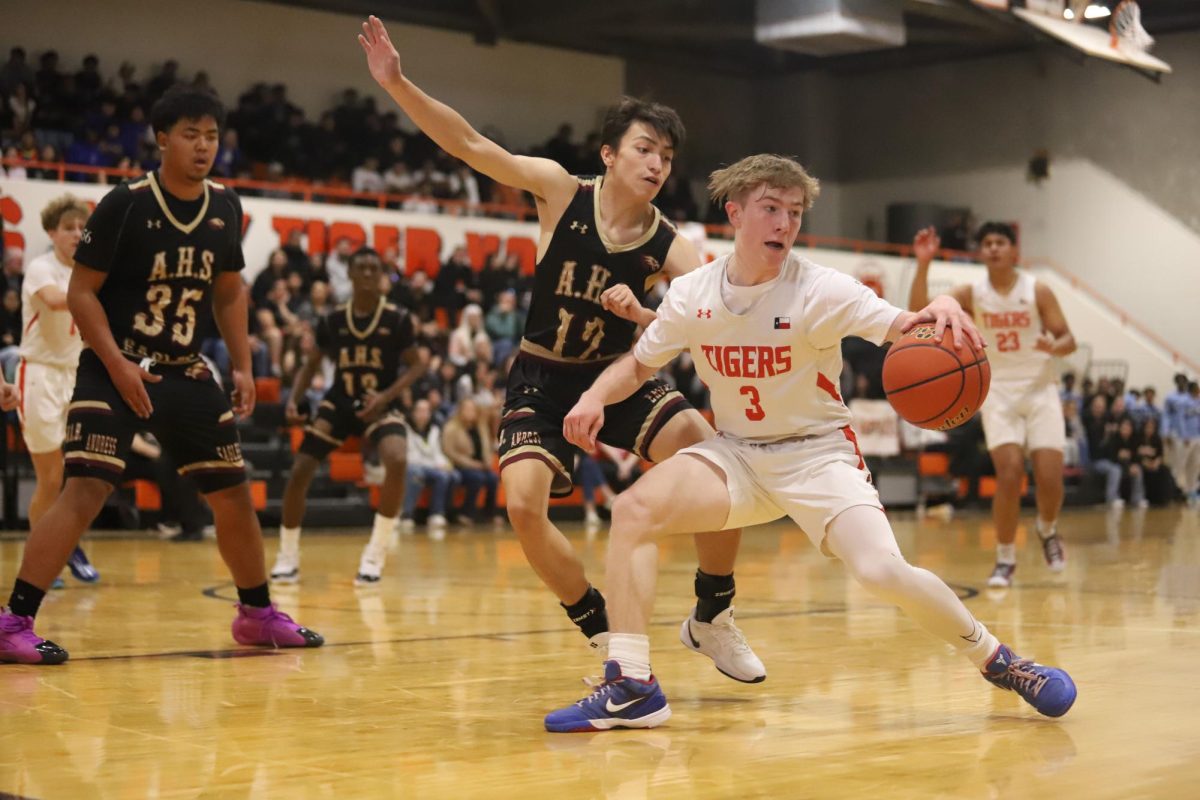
pixel 59 207
pixel 778 172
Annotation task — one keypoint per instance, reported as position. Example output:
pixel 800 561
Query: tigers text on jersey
pixel 161 255
pixel 365 350
pixel 566 321
pixel 772 371
pixel 1010 325
pixel 49 337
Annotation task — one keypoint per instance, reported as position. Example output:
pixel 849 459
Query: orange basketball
pixel 932 385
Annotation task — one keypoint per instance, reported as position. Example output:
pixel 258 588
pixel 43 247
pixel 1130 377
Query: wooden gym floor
pixel 434 684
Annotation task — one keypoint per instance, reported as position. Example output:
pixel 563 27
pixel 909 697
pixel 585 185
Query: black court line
pixel 965 592
pixel 7 796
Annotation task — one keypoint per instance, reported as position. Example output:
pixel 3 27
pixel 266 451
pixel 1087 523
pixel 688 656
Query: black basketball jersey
pixel 566 321
pixel 161 255
pixel 365 350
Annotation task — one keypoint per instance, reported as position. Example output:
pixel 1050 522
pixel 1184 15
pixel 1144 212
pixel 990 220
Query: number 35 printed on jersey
pixel 153 321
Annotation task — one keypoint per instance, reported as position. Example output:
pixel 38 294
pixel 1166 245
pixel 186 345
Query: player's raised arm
pixel 925 246
pixel 544 178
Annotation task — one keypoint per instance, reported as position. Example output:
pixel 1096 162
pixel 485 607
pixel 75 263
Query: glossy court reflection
pixel 434 683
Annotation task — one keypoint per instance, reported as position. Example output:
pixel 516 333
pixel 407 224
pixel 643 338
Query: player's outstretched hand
pixel 583 423
pixel 926 244
pixel 946 312
pixel 1045 343
pixel 244 393
pixel 373 406
pixel 292 415
pixel 621 301
pixel 382 58
pixel 10 397
pixel 130 381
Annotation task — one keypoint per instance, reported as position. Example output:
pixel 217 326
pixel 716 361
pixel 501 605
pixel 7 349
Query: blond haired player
pixel 1024 328
pixel 764 327
pixel 50 346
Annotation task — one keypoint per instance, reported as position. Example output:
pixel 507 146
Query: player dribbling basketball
pixel 764 327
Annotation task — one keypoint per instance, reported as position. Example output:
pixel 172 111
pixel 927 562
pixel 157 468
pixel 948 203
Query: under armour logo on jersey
pixel 154 223
pixel 579 226
pixel 703 313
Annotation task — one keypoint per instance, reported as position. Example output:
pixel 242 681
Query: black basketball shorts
pixel 191 419
pixel 541 393
pixel 341 414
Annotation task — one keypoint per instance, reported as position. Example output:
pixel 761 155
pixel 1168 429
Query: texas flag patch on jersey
pixel 783 323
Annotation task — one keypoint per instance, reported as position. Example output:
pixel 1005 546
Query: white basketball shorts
pixel 1015 413
pixel 45 395
pixel 810 479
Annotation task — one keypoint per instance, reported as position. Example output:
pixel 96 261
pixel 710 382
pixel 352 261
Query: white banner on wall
pixel 425 240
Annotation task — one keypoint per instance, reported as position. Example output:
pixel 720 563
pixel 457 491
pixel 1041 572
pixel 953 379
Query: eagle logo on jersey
pixel 217 223
pixel 651 264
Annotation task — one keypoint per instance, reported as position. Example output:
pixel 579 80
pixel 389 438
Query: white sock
pixel 632 652
pixel 289 540
pixel 1046 529
pixel 381 533
pixel 1006 553
pixel 979 645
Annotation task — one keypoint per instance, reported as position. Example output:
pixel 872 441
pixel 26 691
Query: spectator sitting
pixel 337 266
pixel 398 179
pixel 1147 409
pixel 504 324
pixel 366 178
pixel 316 305
pixel 468 443
pixel 463 186
pixel 264 282
pixel 1075 450
pixel 1095 427
pixel 1150 458
pixel 427 466
pixel 1119 464
pixel 421 200
pixel 10 333
pixel 455 284
pixel 230 160
pixel 1068 392
pixel 466 336
pixel 14 270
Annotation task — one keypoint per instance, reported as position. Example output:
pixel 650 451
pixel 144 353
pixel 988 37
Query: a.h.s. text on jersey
pixel 365 350
pixel 566 321
pixel 162 255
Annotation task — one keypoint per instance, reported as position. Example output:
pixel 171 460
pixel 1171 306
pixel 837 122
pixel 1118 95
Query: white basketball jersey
pixel 49 337
pixel 773 371
pixel 1011 325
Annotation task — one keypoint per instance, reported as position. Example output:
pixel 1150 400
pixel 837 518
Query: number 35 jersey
pixel 566 322
pixel 161 255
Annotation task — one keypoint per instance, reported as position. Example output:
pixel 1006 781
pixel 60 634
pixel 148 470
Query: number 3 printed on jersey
pixel 755 412
pixel 152 322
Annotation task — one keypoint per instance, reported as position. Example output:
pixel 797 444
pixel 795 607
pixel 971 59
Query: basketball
pixel 935 386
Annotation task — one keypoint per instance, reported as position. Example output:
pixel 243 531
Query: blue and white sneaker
pixel 1051 691
pixel 81 568
pixel 618 702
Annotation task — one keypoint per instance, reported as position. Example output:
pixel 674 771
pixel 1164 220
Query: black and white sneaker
pixel 1001 577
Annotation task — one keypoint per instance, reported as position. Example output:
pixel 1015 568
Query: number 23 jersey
pixel 161 255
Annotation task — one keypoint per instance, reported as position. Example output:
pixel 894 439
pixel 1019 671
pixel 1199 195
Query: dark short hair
pixel 1001 228
pixel 363 252
pixel 663 119
pixel 185 102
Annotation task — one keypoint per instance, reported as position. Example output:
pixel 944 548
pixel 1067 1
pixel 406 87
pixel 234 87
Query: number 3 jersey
pixel 566 322
pixel 161 255
pixel 1010 325
pixel 365 350
pixel 772 371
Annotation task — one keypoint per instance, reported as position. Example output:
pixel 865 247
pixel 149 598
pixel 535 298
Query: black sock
pixel 588 613
pixel 256 596
pixel 26 599
pixel 714 593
